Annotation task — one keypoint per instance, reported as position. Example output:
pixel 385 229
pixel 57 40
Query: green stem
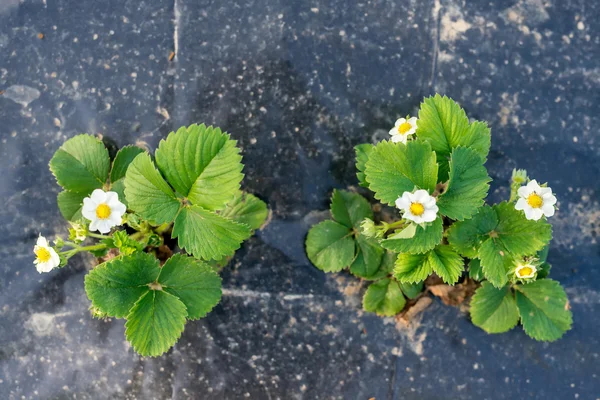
pixel 162 228
pixel 98 236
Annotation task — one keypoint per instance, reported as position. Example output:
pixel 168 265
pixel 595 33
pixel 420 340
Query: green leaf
pixel 543 253
pixel 467 187
pixel 147 192
pixel 384 297
pixel 192 282
pixel 368 260
pixel 411 290
pixel 120 164
pixel 70 203
pixel 155 323
pixel 330 246
pixel 349 209
pixel 494 310
pixel 362 156
pixel 248 209
pixel 124 157
pixel 446 263
pixel 81 164
pixel 496 261
pixel 206 235
pixel 203 164
pixel 475 271
pixel 412 268
pixel 424 239
pixel 444 124
pixel 395 168
pixel 407 233
pixel 115 286
pixel 125 244
pixel 467 236
pixel 519 235
pixel 544 270
pixel 544 310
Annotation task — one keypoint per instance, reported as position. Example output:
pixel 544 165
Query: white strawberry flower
pixel 46 258
pixel 403 128
pixel 525 271
pixel 535 201
pixel 104 210
pixel 419 206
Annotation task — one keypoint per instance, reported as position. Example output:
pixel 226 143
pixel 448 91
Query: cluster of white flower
pixel 103 209
pixel 535 201
pixel 403 128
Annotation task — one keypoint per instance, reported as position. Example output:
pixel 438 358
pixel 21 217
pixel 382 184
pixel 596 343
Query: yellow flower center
pixel 42 254
pixel 103 211
pixel 417 209
pixel 525 271
pixel 535 200
pixel 404 127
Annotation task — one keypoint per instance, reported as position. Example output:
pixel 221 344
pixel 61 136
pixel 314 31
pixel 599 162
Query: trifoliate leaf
pixel 368 259
pixel 544 309
pixel 349 209
pixel 494 310
pixel 155 323
pixel 362 156
pixel 81 164
pixel 395 168
pixel 330 246
pixel 411 290
pixel 496 261
pixel 467 186
pixel 467 236
pixel 203 164
pixel 206 235
pixel 147 192
pixel 192 282
pixel 247 209
pixel 70 203
pixel 384 298
pixel 412 268
pixel 444 124
pixel 424 239
pixel 475 271
pixel 115 286
pixel 542 255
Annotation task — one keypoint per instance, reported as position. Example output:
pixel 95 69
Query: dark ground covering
pixel 298 84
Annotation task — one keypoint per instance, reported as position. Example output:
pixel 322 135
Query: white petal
pixel 54 258
pixel 402 203
pixel 429 216
pixel 433 208
pixel 399 139
pixel 521 204
pixel 421 196
pixel 104 226
pixel 89 213
pixel 115 219
pixel 408 215
pixel 548 210
pixel 524 191
pixel 110 197
pixel 88 202
pixel 116 206
pixel 399 122
pixel 549 199
pixel 430 203
pixel 544 191
pixel 411 131
pixel 533 213
pixel 533 186
pixel 44 267
pixel 393 132
pixel 94 225
pixel 42 242
pixel 98 196
pixel 413 121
